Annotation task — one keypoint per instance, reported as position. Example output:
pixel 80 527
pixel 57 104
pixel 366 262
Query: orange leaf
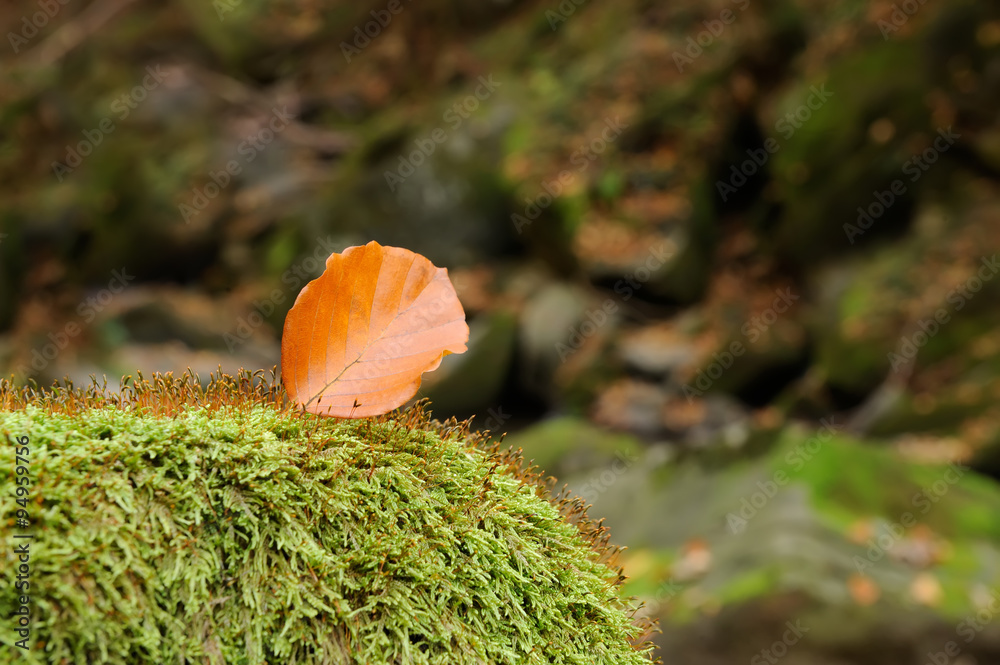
pixel 360 335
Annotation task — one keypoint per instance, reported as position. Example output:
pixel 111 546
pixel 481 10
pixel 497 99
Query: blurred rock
pixel 469 382
pixel 566 446
pixel 150 328
pixel 830 135
pixel 635 406
pixel 918 316
pixel 649 266
pixel 724 422
pixel 656 349
pixel 782 534
pixel 551 331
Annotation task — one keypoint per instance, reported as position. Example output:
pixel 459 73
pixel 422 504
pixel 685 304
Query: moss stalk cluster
pixel 176 523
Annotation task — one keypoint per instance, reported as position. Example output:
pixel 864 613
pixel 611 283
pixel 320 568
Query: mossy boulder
pixel 873 547
pixel 178 524
pixel 919 313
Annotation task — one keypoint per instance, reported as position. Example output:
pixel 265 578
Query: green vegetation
pixel 177 524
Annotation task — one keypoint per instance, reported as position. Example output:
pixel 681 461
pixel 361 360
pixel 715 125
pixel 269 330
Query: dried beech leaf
pixel 360 335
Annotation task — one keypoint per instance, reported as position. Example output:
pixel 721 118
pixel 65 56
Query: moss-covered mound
pixel 173 524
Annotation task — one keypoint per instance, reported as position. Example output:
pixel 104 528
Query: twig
pixel 69 36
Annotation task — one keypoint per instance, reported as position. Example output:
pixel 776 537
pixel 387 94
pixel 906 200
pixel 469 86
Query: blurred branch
pixel 881 400
pixel 71 35
pixel 297 133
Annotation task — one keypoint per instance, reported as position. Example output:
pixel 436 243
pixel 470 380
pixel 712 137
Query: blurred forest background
pixel 729 266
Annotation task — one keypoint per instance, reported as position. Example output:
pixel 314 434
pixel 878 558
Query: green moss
pixel 171 529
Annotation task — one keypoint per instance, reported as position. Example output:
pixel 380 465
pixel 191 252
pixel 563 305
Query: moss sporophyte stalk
pixel 175 522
